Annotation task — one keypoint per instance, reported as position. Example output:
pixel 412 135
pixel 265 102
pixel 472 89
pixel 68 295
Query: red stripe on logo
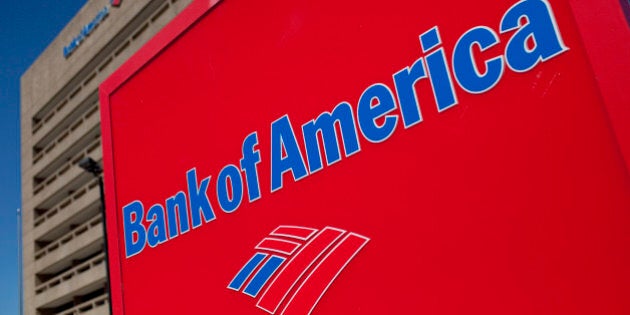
pixel 294 269
pixel 301 233
pixel 278 245
pixel 317 282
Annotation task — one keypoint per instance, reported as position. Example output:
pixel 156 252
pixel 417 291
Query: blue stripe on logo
pixel 246 271
pixel 263 275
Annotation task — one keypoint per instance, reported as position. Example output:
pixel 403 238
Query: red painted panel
pixel 514 200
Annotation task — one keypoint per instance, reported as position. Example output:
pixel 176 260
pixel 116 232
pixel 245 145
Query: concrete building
pixel 63 258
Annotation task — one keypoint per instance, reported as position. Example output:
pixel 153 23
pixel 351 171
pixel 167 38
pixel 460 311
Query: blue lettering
pixel 174 206
pixel 368 113
pixel 85 31
pixel 251 158
pixel 466 72
pixel 66 51
pixel 441 82
pixel 135 234
pixel 537 40
pixel 156 233
pixel 198 199
pixel 285 153
pixel 325 125
pixel 430 39
pixel 232 173
pixel 404 83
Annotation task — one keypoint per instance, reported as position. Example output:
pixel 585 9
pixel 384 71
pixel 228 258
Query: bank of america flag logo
pixel 294 266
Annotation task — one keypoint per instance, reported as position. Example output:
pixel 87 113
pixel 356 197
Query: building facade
pixel 63 252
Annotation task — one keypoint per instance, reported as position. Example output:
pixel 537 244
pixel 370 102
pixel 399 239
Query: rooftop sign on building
pixel 300 157
pixel 89 28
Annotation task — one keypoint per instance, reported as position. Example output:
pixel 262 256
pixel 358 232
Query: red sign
pixel 301 157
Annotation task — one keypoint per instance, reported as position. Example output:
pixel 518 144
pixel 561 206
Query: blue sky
pixel 26 28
